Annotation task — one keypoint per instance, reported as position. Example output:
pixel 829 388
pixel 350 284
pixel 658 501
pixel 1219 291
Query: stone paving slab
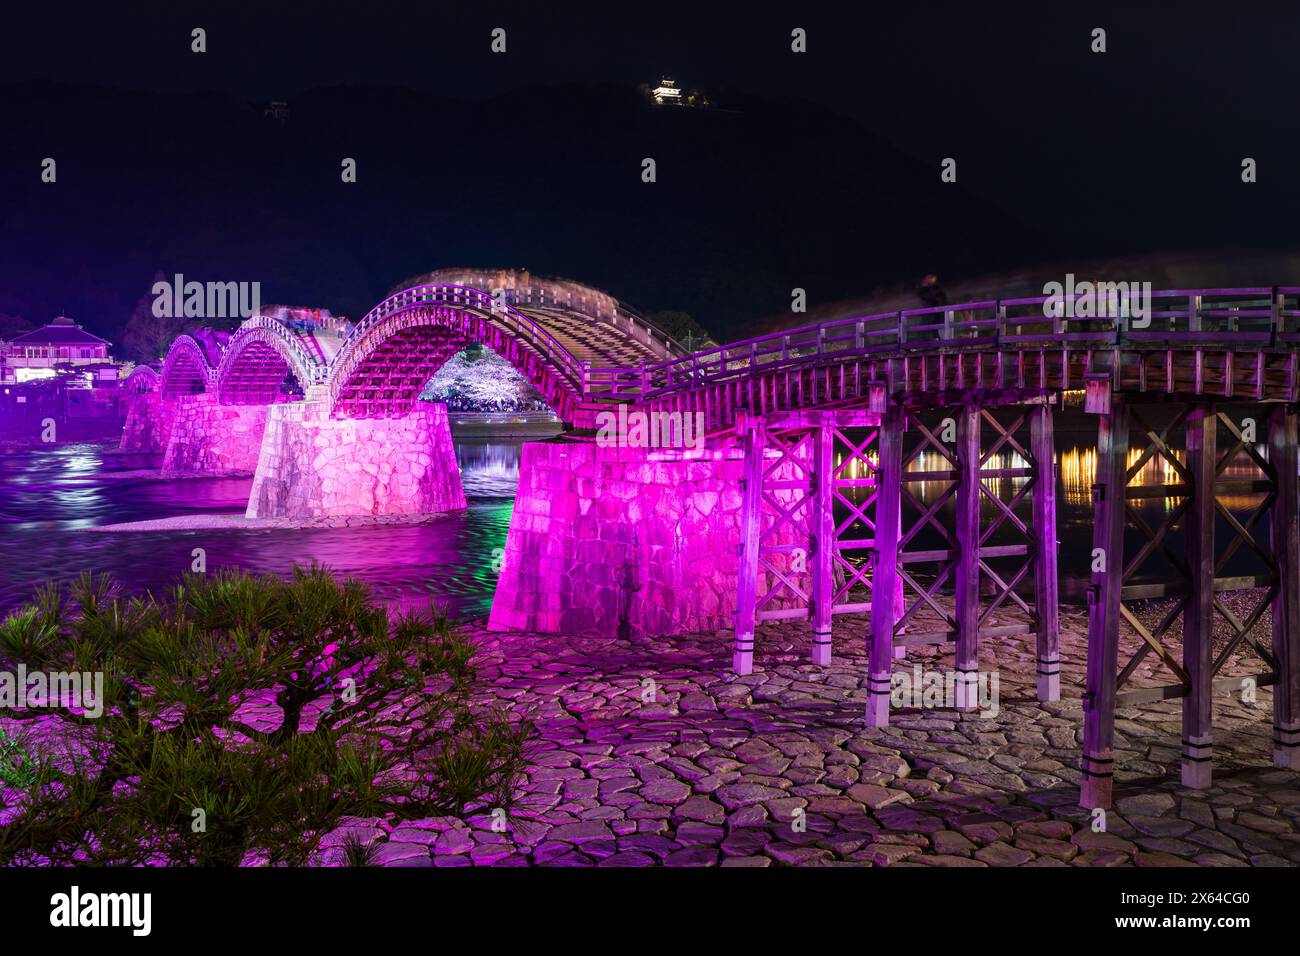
pixel 650 752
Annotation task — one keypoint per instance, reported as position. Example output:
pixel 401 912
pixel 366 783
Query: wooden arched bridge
pixel 554 331
pixel 849 466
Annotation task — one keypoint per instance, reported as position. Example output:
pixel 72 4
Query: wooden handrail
pixel 990 332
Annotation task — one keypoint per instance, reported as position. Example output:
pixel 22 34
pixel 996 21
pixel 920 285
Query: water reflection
pixel 489 469
pixel 1078 470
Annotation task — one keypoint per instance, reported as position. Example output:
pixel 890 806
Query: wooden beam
pixel 1198 613
pixel 1152 642
pixel 754 442
pixel 884 583
pixel 1225 685
pixel 1285 528
pixel 968 568
pixel 1046 598
pixel 1103 608
pixel 823 538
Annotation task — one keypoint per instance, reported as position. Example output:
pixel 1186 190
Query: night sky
pixel 1064 153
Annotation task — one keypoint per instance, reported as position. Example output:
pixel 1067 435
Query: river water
pixel 51 495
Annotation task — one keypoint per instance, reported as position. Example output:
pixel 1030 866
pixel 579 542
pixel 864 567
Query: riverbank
pixel 27 433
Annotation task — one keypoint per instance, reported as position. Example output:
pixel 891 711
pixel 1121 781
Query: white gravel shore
pixel 237 522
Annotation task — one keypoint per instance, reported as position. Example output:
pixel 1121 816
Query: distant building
pixel 41 352
pixel 277 111
pixel 667 92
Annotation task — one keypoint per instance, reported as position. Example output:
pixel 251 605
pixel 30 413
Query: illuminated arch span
pixel 258 358
pixel 187 368
pixel 143 378
pixel 555 343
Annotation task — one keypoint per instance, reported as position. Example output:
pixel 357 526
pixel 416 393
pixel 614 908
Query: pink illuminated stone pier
pixel 627 541
pixel 208 438
pixel 620 542
pixel 149 419
pixel 313 466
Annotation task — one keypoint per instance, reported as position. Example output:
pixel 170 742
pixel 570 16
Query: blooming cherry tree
pixel 479 380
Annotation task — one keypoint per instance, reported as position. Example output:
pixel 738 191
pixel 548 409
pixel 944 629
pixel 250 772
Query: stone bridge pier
pixel 149 418
pixel 209 438
pixel 314 466
pixel 611 540
pixel 615 541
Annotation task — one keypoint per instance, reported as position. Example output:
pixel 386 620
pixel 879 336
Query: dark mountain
pixel 751 200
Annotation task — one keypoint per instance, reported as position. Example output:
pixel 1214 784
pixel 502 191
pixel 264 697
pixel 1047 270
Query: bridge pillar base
pixel 878 697
pixel 1286 746
pixel 149 420
pixel 1049 682
pixel 1196 770
pixel 622 542
pixel 210 439
pixel 1096 786
pixel 313 466
pixel 821 648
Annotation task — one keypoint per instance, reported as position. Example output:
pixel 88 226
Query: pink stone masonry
pixel 312 466
pixel 149 419
pixel 622 542
pixel 209 438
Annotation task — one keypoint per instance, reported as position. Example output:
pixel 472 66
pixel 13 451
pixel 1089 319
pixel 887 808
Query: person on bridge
pixel 932 296
pixel 930 292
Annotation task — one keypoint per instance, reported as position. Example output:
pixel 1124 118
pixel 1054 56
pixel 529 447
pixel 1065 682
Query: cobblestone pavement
pixel 778 767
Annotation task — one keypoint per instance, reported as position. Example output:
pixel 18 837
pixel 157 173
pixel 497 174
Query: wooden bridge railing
pixel 621 316
pixel 308 364
pixel 528 331
pixel 1263 317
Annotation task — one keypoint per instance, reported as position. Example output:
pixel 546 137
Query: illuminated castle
pixel 667 92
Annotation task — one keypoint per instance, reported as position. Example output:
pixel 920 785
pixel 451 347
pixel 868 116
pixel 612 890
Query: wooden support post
pixel 1282 454
pixel 1046 603
pixel 885 575
pixel 1109 494
pixel 1198 614
pixel 823 535
pixel 900 649
pixel 968 567
pixel 754 444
